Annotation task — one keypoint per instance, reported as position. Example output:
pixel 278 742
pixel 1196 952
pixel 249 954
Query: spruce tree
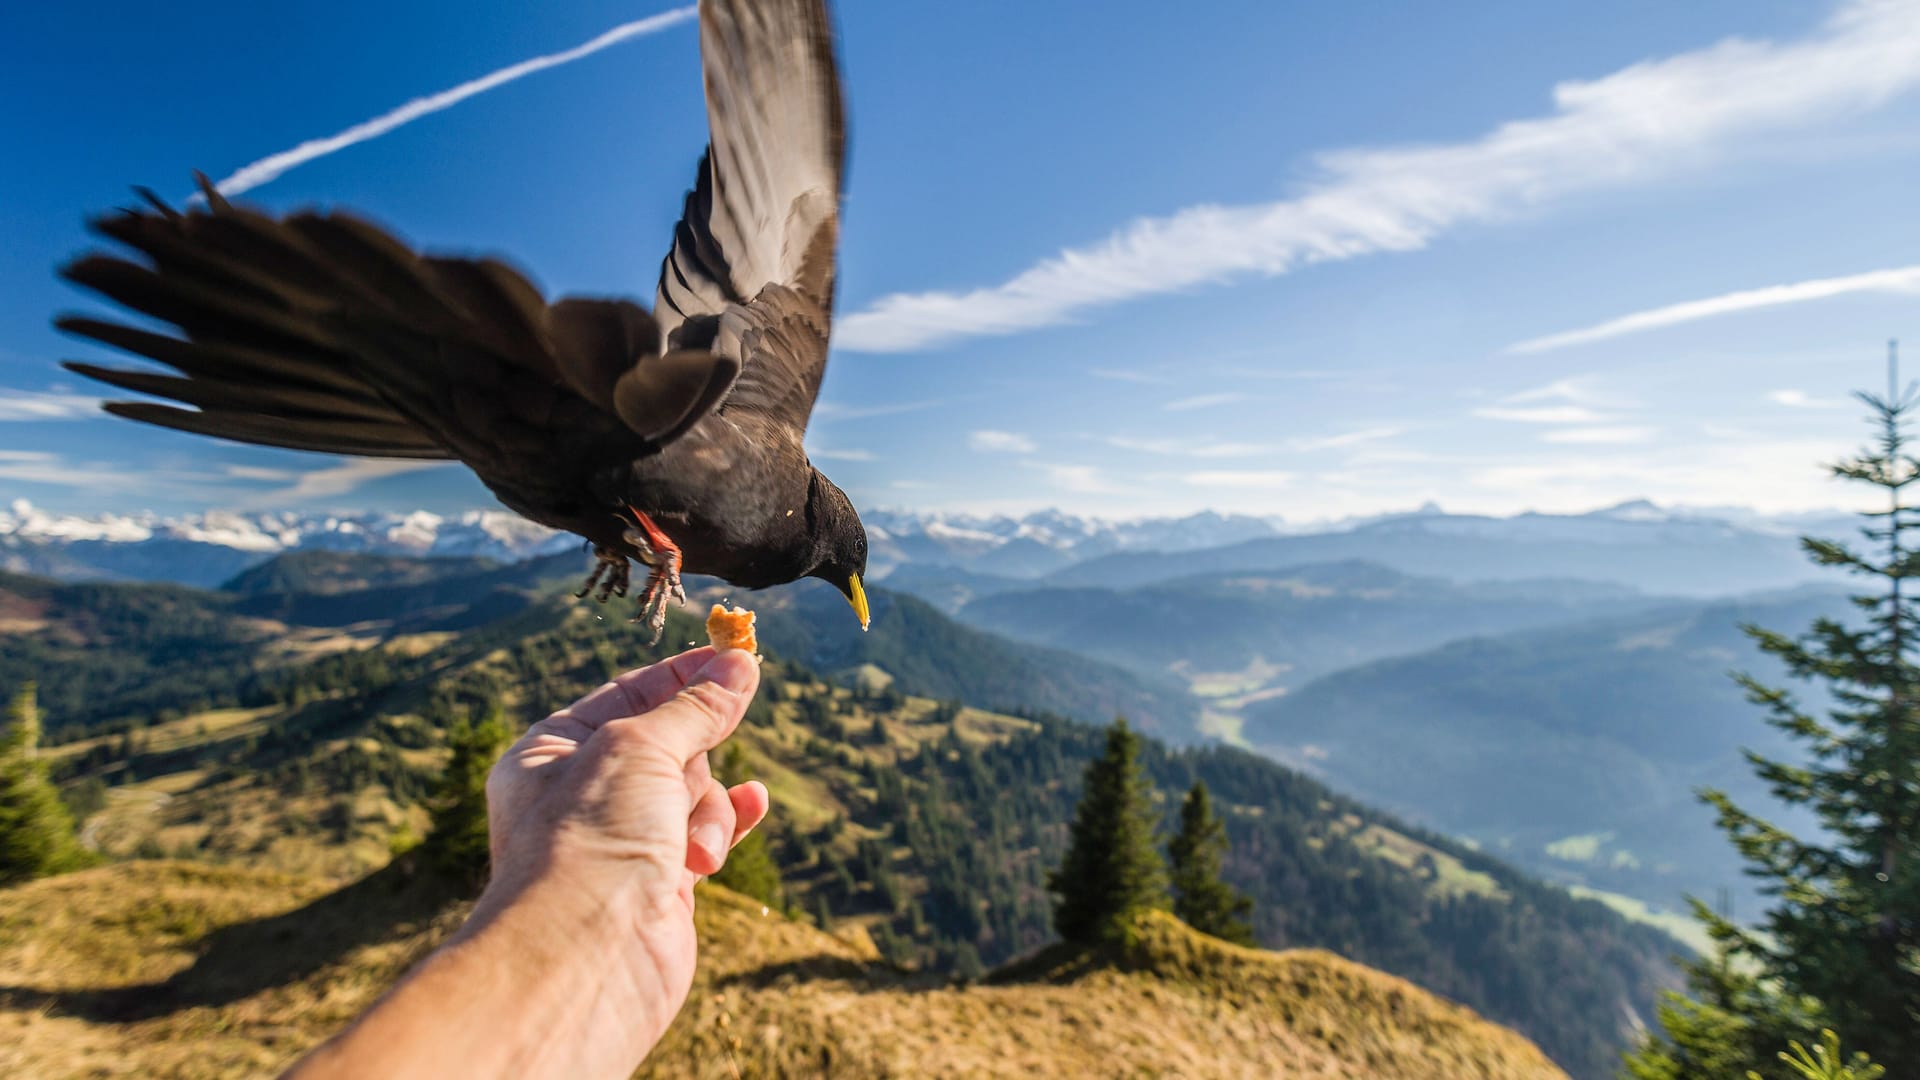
pixel 750 869
pixel 1201 899
pixel 457 843
pixel 1112 867
pixel 1843 929
pixel 36 829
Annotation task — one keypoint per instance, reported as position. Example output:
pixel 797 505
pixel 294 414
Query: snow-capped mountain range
pixel 208 549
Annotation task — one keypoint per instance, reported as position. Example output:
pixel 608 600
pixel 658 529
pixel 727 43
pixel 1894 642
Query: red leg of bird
pixel 662 557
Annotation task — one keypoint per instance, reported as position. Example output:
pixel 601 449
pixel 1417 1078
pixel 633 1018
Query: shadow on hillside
pixel 807 969
pixel 246 958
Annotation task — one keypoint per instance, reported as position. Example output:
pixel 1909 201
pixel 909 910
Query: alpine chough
pixel 671 438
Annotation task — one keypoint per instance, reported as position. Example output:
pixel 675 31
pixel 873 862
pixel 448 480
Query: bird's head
pixel 840 543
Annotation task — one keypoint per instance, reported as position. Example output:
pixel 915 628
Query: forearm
pixel 532 986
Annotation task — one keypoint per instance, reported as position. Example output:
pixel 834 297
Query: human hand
pixel 607 811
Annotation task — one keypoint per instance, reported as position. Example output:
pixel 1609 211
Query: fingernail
pixel 711 839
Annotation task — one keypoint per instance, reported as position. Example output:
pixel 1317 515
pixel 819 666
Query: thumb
pixel 705 712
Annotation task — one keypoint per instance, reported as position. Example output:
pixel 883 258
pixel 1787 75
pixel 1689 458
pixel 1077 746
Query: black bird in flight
pixel 673 438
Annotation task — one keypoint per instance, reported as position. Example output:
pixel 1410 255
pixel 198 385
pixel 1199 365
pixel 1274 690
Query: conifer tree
pixel 1843 931
pixel 1112 867
pixel 36 829
pixel 749 869
pixel 1201 899
pixel 458 842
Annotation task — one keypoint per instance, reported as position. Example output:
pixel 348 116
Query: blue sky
pixel 1117 257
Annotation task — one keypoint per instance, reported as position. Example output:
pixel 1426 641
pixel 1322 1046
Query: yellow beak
pixel 857 596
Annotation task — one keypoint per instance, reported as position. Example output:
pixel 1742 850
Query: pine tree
pixel 1201 899
pixel 1844 926
pixel 457 843
pixel 750 869
pixel 36 829
pixel 1112 867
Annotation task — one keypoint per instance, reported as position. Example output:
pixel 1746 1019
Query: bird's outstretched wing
pixel 323 332
pixel 751 271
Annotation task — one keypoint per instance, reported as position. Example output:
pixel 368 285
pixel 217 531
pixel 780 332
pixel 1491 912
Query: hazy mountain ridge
pixel 1654 551
pixel 1739 551
pixel 1574 750
pixel 1284 626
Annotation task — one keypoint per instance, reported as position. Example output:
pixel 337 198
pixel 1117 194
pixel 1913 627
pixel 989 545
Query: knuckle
pixel 711 699
pixel 625 736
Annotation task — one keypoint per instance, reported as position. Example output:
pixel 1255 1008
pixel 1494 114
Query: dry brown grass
pixel 185 970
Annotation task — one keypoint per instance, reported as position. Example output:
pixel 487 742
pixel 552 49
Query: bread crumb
pixel 731 629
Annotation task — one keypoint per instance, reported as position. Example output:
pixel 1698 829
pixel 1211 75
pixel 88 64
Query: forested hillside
pixel 928 825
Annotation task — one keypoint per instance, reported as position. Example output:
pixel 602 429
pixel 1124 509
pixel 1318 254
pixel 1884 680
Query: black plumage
pixel 673 437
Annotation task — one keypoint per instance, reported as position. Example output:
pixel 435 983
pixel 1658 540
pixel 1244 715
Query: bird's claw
pixel 609 574
pixel 662 583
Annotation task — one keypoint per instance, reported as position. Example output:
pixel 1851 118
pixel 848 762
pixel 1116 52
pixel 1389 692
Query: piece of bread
pixel 731 629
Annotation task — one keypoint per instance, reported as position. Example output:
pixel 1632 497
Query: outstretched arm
pixel 581 949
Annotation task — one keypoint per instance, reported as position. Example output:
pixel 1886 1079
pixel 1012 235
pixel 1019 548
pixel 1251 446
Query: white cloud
pixel 1799 399
pixel 18 406
pixel 828 411
pixel 340 479
pixel 1080 479
pixel 1203 401
pixel 1540 414
pixel 254 472
pixel 1599 436
pixel 842 455
pixel 40 467
pixel 1001 442
pixel 1642 122
pixel 1129 376
pixel 1904 280
pixel 1241 479
pixel 276 165
pixel 1344 439
pixel 1575 390
pixel 1193 448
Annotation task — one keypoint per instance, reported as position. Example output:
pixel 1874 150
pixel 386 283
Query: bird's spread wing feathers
pixel 322 332
pixel 764 210
pixel 319 331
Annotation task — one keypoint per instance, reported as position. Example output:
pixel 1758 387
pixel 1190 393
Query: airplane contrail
pixel 274 166
pixel 1905 279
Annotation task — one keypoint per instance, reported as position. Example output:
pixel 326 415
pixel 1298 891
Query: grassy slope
pixel 158 969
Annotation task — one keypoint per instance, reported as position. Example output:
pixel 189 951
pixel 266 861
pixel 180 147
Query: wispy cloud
pixel 1799 399
pixel 1344 439
pixel 842 455
pixel 1240 479
pixel 1540 414
pixel 1599 436
pixel 1203 401
pixel 1079 479
pixel 1117 375
pixel 337 480
pixel 274 166
pixel 23 405
pixel 1574 389
pixel 1904 279
pixel 1639 123
pixel 41 467
pixel 1194 448
pixel 1001 442
pixel 828 411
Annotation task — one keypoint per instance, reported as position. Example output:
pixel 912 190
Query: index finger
pixel 631 693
